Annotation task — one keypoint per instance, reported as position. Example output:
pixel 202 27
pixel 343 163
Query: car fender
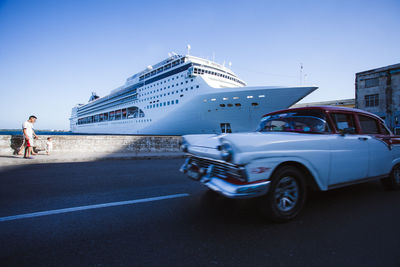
pixel 264 168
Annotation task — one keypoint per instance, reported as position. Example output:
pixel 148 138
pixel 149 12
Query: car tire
pixel 393 181
pixel 286 196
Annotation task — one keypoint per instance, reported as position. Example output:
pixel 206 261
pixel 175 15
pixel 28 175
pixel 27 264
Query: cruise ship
pixel 181 95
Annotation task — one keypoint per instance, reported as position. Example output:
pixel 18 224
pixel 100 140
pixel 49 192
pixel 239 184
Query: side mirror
pixel 350 130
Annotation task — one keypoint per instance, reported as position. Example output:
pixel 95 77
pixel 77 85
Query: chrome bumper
pixel 220 185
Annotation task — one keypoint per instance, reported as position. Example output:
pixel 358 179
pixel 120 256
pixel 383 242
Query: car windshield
pixel 303 121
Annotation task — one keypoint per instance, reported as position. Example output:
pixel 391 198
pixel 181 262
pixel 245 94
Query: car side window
pixel 343 121
pixel 384 130
pixel 368 125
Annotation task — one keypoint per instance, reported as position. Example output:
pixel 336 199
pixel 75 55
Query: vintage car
pixel 292 151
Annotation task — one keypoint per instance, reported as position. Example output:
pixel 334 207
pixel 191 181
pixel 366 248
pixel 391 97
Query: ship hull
pixel 215 110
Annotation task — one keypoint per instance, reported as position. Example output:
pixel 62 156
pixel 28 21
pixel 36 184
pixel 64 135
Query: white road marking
pixel 88 207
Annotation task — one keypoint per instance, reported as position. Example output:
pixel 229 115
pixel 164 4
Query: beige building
pixel 378 91
pixel 348 103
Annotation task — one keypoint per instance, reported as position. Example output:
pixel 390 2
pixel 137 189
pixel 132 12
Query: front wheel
pixel 287 195
pixel 393 181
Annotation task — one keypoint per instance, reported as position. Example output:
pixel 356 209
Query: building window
pixel 372 100
pixel 371 82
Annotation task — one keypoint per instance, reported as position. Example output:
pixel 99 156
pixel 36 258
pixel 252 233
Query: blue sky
pixel 53 54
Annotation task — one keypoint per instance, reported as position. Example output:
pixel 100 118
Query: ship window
pixel 213 99
pixel 225 98
pixel 191 88
pixel 230 105
pixel 181 90
pixel 261 96
pixel 181 95
pixel 186 89
pixel 117 114
pixel 238 104
pixel 254 104
pixel 222 105
pixel 172 102
pixel 197 86
pixel 186 81
pixel 249 96
pixel 205 100
pixel 176 101
pixel 168 103
pixel 191 80
pixel 235 97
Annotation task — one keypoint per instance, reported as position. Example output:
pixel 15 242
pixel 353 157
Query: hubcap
pixel 286 194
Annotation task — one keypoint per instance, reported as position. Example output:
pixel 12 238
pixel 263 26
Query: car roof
pixel 326 108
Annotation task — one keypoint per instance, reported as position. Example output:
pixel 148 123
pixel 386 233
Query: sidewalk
pixel 8 160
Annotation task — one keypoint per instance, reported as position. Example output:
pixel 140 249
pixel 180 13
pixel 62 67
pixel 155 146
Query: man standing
pixel 27 128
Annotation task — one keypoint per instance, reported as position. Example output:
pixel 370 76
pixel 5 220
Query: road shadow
pixel 330 204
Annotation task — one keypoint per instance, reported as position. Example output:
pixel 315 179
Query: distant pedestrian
pixel 29 134
pixel 49 145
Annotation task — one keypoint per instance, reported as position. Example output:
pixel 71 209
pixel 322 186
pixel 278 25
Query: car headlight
pixel 226 151
pixel 184 146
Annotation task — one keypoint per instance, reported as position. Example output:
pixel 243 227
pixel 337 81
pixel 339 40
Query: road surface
pixel 146 213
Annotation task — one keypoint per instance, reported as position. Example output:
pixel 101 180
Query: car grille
pixel 220 169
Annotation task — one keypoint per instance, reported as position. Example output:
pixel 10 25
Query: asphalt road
pixel 354 226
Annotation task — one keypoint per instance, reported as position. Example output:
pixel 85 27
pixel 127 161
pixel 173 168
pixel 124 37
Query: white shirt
pixel 29 129
pixel 49 146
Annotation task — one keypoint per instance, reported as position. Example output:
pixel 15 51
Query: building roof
pixel 390 67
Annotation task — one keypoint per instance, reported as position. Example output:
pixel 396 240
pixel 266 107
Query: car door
pixel 380 154
pixel 349 151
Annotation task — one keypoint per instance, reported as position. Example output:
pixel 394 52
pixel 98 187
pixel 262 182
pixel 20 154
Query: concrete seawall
pixel 9 144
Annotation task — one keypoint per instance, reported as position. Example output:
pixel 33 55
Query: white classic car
pixel 292 151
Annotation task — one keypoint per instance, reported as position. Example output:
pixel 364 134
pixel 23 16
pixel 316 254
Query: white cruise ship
pixel 182 95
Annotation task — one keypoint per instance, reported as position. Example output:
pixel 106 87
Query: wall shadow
pixel 16 141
